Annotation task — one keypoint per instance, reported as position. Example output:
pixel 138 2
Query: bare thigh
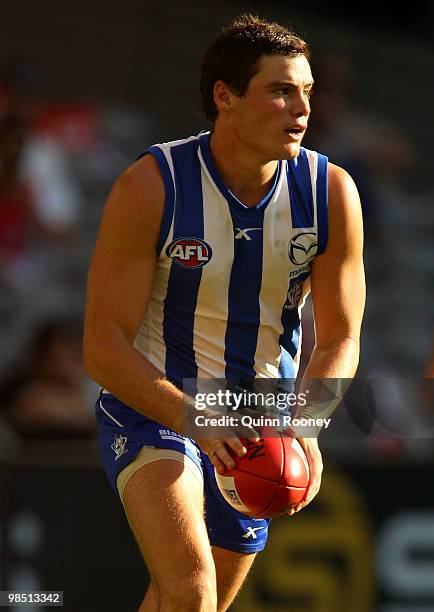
pixel 165 508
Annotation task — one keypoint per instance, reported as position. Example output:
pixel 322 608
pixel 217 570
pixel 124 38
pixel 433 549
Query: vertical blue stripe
pixel 322 203
pixel 300 191
pixel 169 201
pixel 243 299
pixel 183 286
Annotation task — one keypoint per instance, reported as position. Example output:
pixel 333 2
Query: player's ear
pixel 222 96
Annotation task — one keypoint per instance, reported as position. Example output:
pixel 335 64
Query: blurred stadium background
pixel 84 87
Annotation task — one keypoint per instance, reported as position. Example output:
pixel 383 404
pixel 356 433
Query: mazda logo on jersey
pixel 302 248
pixel 189 252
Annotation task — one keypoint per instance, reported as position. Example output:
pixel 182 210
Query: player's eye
pixel 308 92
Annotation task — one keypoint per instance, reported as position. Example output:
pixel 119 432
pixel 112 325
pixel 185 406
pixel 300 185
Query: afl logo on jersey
pixel 189 252
pixel 302 248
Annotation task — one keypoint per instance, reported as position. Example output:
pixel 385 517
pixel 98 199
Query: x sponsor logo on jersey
pixel 243 233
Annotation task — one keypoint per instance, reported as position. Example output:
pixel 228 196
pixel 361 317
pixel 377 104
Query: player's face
pixel 272 116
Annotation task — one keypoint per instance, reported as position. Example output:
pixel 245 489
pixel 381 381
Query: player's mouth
pixel 296 132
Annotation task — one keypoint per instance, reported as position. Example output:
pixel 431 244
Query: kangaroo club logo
pixel 119 446
pixel 302 248
pixel 295 292
pixel 189 252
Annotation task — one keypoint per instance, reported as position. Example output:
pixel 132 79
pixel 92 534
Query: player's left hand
pixel 313 455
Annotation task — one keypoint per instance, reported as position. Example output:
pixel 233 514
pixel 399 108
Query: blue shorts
pixel 124 431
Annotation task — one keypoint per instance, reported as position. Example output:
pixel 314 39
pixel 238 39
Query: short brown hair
pixel 234 55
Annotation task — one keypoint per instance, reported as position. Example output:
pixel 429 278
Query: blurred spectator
pixel 26 230
pixel 39 199
pixel 56 198
pixel 41 163
pixel 51 395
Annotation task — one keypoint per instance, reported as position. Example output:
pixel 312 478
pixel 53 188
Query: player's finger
pixel 253 438
pixel 237 446
pixel 219 466
pixel 310 494
pixel 222 454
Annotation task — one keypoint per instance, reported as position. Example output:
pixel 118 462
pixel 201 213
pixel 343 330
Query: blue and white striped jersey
pixel 226 298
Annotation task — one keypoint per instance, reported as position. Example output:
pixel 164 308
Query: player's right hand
pixel 222 442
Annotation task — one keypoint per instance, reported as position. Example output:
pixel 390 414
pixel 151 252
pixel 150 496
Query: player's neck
pixel 247 177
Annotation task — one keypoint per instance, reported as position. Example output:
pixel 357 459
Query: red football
pixel 269 479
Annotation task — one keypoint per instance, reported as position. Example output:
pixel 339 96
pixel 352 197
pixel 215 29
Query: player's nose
pixel 301 105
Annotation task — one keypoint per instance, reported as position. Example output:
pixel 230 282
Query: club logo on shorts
pixel 189 252
pixel 302 248
pixel 118 446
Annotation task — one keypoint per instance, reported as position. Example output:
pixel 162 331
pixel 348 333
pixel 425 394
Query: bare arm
pixel 338 298
pixel 119 284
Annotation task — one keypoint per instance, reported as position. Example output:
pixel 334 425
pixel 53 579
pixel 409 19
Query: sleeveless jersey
pixel 226 297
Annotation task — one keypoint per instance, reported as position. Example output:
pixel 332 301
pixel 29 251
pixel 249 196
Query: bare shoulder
pixel 144 177
pixel 342 190
pixel 135 205
pixel 345 212
pixel 140 190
